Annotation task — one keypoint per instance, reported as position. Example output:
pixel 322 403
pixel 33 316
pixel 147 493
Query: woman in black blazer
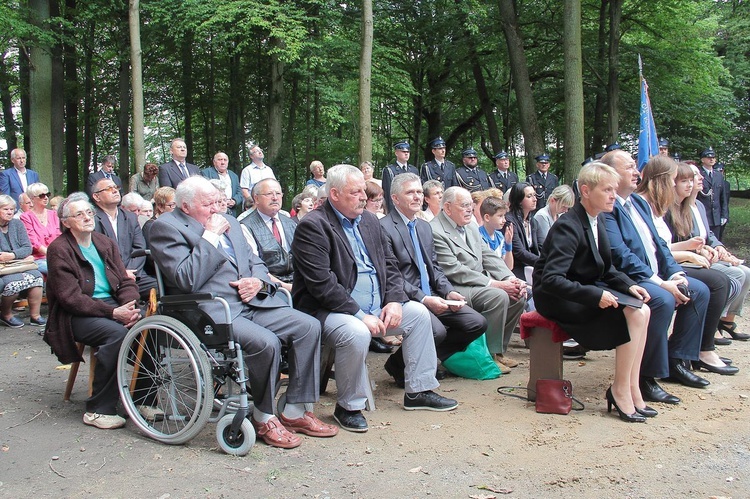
pixel 522 201
pixel 569 276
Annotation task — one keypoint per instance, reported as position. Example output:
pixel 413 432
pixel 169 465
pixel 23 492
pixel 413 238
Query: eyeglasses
pixel 44 195
pixel 171 205
pixel 82 214
pixel 111 188
pixel 271 194
pixel 465 206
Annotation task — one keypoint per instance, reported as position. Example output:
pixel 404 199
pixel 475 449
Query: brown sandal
pixel 274 434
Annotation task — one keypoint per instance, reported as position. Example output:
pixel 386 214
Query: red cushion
pixel 530 320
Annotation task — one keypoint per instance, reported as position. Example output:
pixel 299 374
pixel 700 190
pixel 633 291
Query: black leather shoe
pixel 652 392
pixel 647 412
pixel 396 372
pixel 441 374
pixel 377 346
pixel 726 361
pixel 722 342
pixel 725 370
pixel 679 372
pixel 428 401
pixel 350 420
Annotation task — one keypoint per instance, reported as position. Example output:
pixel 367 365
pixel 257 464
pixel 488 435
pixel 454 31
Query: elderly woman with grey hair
pixel 92 300
pixel 15 245
pixel 559 202
pixel 42 224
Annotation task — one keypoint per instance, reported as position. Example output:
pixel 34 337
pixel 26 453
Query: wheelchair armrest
pixel 193 298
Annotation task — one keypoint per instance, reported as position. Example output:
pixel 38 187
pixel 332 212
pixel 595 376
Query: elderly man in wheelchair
pixel 200 250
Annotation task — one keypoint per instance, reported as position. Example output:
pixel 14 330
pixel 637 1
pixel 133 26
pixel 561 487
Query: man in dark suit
pixel 402 150
pixel 175 171
pixel 712 196
pixel 346 276
pixel 220 171
pixel 122 226
pixel 469 175
pixel 542 181
pixel 503 178
pixel 639 252
pixel 439 168
pixel 201 250
pixel 454 327
pixel 14 181
pixel 106 170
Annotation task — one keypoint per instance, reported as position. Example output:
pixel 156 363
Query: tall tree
pixel 532 134
pixel 574 134
pixel 134 22
pixel 365 80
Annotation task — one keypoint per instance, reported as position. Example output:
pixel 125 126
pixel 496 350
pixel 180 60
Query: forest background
pixel 342 82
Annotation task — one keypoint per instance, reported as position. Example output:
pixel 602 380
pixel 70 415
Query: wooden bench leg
pixel 545 359
pixel 74 372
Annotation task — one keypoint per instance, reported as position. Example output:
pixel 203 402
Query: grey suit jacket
pixel 191 264
pixel 470 263
pixel 170 174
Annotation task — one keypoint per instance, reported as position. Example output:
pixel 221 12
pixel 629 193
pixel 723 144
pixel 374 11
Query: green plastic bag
pixel 474 363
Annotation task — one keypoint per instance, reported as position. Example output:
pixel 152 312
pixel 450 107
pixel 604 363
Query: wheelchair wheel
pixel 245 440
pixel 161 366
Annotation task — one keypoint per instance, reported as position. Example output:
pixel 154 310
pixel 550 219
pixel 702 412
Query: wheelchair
pixel 189 368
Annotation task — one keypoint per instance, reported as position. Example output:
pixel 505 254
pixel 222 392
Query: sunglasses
pixel 44 195
pixel 111 188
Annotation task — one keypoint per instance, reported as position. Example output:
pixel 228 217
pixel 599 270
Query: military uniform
pixel 503 180
pixel 444 172
pixel 543 183
pixel 712 196
pixel 472 179
pixel 394 169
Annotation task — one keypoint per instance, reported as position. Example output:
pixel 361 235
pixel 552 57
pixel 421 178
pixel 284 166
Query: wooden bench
pixel 545 339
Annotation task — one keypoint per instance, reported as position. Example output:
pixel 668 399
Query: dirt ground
pixel 491 446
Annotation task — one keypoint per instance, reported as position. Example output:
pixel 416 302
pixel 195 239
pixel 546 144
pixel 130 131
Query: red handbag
pixel 553 396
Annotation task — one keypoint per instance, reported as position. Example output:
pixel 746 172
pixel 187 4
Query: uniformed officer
pixel 439 169
pixel 503 178
pixel 402 150
pixel 712 197
pixel 663 147
pixel 542 181
pixel 613 147
pixel 469 176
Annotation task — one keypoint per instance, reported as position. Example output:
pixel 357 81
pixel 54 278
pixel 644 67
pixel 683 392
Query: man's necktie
pixel 424 279
pixel 108 176
pixel 275 231
pixel 226 245
pixel 183 170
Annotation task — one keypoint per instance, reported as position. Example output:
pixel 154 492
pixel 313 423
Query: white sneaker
pixel 150 413
pixel 103 421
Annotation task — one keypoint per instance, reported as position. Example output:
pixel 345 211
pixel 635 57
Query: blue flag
pixel 648 143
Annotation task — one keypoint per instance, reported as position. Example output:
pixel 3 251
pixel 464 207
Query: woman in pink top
pixel 42 224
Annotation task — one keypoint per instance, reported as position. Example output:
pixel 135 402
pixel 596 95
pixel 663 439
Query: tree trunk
pixel 187 90
pixel 24 73
pixel 123 115
pixel 365 80
pixel 235 132
pixel 88 103
pixel 72 94
pixel 134 21
pixel 276 104
pixel 532 135
pixel 613 87
pixel 597 137
pixel 56 181
pixel 574 134
pixel 40 99
pixel 9 121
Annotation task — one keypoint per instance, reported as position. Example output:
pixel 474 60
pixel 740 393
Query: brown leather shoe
pixel 505 360
pixel 309 425
pixel 274 434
